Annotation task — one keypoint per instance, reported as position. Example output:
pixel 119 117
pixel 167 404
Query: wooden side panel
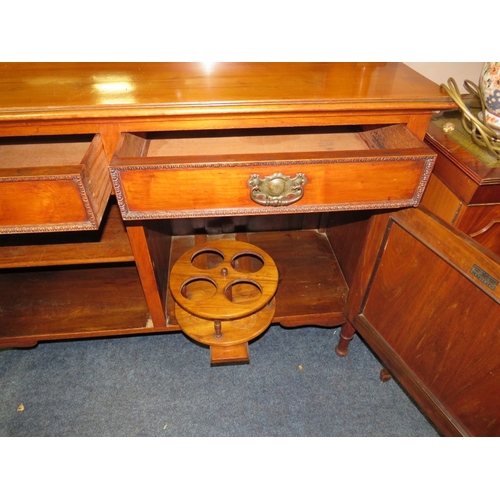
pixel 441 201
pixel 481 222
pixel 461 184
pixel 158 239
pixel 362 267
pixel 418 124
pixel 146 267
pixel 346 232
pixel 96 178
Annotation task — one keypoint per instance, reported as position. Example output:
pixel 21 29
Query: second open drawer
pixel 52 184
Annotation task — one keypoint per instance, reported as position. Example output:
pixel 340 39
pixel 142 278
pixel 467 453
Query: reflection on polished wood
pixel 93 91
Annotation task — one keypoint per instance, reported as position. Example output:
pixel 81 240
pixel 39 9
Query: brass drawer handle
pixel 276 190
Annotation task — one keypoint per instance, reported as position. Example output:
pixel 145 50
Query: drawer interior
pixel 23 152
pixel 222 143
pixel 257 141
pixel 52 183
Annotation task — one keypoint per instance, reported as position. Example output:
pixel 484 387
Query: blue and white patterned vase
pixel 489 85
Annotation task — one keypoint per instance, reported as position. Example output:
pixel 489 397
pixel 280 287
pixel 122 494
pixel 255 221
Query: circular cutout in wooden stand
pixel 224 293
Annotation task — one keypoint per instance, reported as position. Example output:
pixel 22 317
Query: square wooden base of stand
pixel 238 353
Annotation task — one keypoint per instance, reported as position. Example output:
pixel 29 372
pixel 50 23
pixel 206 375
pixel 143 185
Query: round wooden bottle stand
pixel 224 296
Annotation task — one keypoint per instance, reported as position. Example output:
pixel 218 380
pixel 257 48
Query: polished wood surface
pixel 86 91
pixel 110 98
pixel 344 168
pixel 436 323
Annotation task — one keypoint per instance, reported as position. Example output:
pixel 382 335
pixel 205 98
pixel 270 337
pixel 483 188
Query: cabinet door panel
pixel 432 311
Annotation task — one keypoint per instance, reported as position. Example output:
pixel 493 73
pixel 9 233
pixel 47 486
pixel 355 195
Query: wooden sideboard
pixel 109 173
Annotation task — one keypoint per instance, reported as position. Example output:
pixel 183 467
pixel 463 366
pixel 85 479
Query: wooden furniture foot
pixel 346 335
pixel 385 375
pixel 238 353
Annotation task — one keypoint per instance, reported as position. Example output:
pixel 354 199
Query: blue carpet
pixel 163 385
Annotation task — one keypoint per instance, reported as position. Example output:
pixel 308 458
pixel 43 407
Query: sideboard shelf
pixel 312 288
pixel 70 284
pixel 62 302
pixel 107 244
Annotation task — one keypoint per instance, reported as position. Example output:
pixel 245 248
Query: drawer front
pixel 260 174
pixel 52 186
pixel 171 192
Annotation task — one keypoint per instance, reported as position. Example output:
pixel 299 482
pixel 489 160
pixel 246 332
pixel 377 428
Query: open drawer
pixel 52 183
pixel 259 171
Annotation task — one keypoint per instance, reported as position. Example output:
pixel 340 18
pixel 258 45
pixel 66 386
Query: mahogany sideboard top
pixel 54 98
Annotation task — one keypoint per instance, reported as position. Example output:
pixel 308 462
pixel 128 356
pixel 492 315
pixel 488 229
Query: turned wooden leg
pixel 346 334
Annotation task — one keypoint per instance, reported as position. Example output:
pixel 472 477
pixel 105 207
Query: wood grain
pixel 126 90
pixel 52 184
pixel 108 244
pixel 436 324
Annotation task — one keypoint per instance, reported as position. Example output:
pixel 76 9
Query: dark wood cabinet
pixel 464 189
pixel 426 297
pixel 430 308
